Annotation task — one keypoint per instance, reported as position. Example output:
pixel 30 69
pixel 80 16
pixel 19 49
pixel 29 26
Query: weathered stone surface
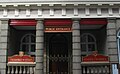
pixel 4 39
pixel 77 72
pixel 40 25
pixel 2 71
pixel 111 32
pixel 76 66
pixel 39 59
pixel 38 71
pixel 111 24
pixel 3 45
pixel 3 59
pixel 76 39
pixel 76 33
pixel 3 52
pixel 39 65
pixel 112 45
pixel 39 39
pixel 39 33
pixel 76 45
pixel 76 52
pixel 113 58
pixel 39 52
pixel 3 65
pixel 113 51
pixel 39 45
pixel 77 59
pixel 112 38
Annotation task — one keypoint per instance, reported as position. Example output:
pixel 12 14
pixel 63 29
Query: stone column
pixel 39 47
pixel 112 41
pixel 76 52
pixel 3 45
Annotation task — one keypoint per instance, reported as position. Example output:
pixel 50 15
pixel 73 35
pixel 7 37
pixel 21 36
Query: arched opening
pixel 59 50
pixel 88 43
pixel 28 44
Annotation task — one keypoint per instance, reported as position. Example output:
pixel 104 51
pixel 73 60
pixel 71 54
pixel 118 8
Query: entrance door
pixel 59 51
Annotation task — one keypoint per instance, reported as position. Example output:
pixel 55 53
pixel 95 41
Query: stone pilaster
pixel 3 45
pixel 39 47
pixel 112 42
pixel 76 52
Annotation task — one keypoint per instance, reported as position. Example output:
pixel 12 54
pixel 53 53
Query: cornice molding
pixel 50 11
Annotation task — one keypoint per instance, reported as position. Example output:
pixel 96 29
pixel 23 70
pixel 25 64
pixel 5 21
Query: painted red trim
pixel 95 57
pixel 57 22
pixel 26 22
pixel 93 22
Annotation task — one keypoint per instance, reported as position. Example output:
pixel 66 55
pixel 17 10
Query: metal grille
pixel 59 64
pixel 56 58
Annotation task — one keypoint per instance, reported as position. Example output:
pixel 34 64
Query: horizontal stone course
pixel 76 33
pixel 112 45
pixel 39 39
pixel 76 66
pixel 3 59
pixel 38 71
pixel 2 71
pixel 4 39
pixel 76 71
pixel 76 45
pixel 76 59
pixel 3 52
pixel 112 38
pixel 39 65
pixel 113 51
pixel 3 46
pixel 76 52
pixel 111 32
pixel 39 46
pixel 4 33
pixel 76 39
pixel 39 52
pixel 39 59
pixel 113 58
pixel 3 65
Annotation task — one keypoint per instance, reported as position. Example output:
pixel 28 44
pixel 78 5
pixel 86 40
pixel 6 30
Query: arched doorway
pixel 58 52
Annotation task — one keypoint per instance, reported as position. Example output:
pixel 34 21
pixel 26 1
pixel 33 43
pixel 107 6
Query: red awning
pixel 26 22
pixel 93 22
pixel 58 22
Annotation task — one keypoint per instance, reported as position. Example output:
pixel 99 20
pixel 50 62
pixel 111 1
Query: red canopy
pixel 58 22
pixel 93 22
pixel 25 22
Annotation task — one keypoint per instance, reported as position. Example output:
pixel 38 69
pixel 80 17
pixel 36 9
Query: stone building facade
pixel 59 33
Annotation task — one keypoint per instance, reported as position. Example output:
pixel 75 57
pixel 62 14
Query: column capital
pixel 111 24
pixel 40 25
pixel 76 24
pixel 4 21
pixel 111 20
pixel 76 19
pixel 39 21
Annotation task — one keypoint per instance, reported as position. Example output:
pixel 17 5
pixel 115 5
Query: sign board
pixel 58 29
pixel 21 58
pixel 58 25
pixel 17 58
pixel 95 57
